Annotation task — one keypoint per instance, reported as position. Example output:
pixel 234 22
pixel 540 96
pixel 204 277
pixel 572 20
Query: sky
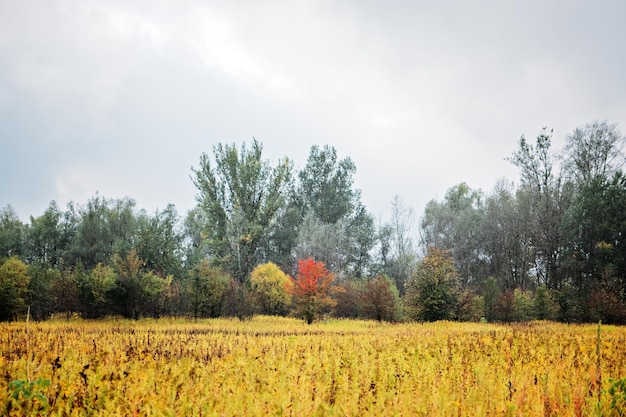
pixel 121 97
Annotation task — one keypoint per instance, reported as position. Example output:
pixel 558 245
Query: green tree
pixel 241 195
pixel 64 290
pixel 327 216
pixel 522 305
pixel 138 292
pixel 508 237
pixel 456 225
pixel 194 238
pixel 209 285
pixel 325 186
pixel 44 240
pixel 549 197
pixel 96 290
pixel 433 289
pixel 361 235
pixel 272 288
pixel 490 297
pixel 544 307
pixel 325 242
pixel 158 242
pixel 40 297
pixel 106 227
pixel 593 228
pixel 11 233
pixel 594 150
pixel 14 280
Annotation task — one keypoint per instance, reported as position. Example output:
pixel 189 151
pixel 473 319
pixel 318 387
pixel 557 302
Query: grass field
pixel 281 366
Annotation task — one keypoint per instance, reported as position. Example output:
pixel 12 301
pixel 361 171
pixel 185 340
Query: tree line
pixel 549 247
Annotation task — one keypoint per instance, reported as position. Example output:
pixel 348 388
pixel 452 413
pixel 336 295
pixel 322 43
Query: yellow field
pixel 279 366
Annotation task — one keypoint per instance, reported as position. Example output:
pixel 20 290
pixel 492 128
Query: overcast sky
pixel 122 97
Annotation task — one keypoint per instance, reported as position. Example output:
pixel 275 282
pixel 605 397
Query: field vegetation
pixel 282 366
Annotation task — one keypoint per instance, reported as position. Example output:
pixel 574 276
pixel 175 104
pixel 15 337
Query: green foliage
pixel 11 233
pixel 64 290
pixel 453 225
pixel 617 396
pixel 106 227
pixel 272 288
pixel 241 195
pixel 158 242
pixel 14 280
pixel 326 185
pixel 209 285
pixel 557 236
pixel 593 229
pixel 96 290
pixel 138 292
pixel 40 297
pixel 490 296
pixel 27 398
pixel 522 305
pixel 544 307
pixel 433 289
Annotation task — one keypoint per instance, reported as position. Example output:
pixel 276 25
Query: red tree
pixel 311 289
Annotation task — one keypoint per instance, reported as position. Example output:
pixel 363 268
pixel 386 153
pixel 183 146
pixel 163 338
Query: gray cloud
pixel 122 97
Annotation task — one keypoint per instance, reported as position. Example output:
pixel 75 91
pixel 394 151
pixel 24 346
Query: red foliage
pixel 312 278
pixel 311 289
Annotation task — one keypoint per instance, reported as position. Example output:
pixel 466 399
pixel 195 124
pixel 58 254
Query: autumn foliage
pixel 311 289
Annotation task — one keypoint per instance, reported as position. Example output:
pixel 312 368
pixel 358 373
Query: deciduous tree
pixel 240 194
pixel 11 233
pixel 594 150
pixel 381 300
pixel 14 281
pixel 208 290
pixel 311 290
pixel 272 288
pixel 433 289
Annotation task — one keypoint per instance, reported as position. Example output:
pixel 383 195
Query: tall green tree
pixel 97 290
pixel 361 240
pixel 11 233
pixel 158 242
pixel 241 194
pixel 594 228
pixel 106 227
pixel 594 150
pixel 325 185
pixel 50 236
pixel 549 197
pixel 456 225
pixel 328 218
pixel 324 242
pixel 508 238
